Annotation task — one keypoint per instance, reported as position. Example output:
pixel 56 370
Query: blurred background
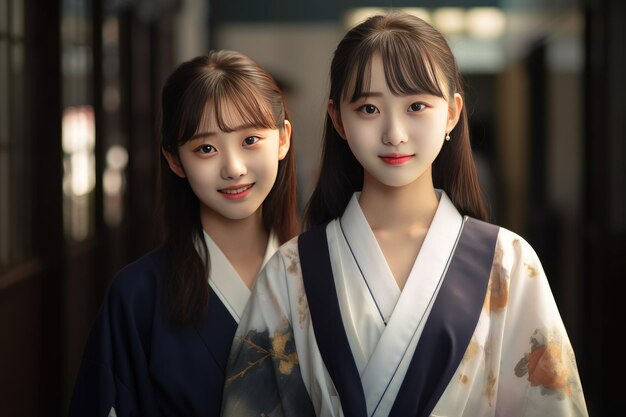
pixel 80 85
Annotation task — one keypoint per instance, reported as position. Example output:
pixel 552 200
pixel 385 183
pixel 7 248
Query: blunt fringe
pixel 239 93
pixel 416 59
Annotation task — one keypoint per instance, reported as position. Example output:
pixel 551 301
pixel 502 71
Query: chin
pixel 241 215
pixel 397 182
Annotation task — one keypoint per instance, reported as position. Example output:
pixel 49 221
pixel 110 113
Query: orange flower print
pixel 258 348
pixel 286 361
pixel 498 291
pixel 545 365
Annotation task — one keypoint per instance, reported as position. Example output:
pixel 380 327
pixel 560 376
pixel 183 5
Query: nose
pixel 395 132
pixel 233 166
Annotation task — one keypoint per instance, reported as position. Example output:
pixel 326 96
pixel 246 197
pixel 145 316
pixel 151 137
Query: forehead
pixel 375 77
pixel 401 74
pixel 216 116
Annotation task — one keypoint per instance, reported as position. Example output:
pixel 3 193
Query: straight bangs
pixel 409 67
pixel 236 103
pixel 230 102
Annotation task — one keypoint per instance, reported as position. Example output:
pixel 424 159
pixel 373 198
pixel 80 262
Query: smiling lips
pixel 395 158
pixel 236 192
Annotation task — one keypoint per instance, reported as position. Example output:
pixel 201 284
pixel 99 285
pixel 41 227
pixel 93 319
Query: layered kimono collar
pixel 381 343
pixel 369 256
pixel 225 280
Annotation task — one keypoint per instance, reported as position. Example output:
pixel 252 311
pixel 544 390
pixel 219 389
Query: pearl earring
pixel 448 136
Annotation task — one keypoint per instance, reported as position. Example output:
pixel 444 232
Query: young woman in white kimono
pixel 401 300
pixel 160 343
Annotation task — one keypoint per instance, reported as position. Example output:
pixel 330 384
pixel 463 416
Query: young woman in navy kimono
pixel 401 300
pixel 161 339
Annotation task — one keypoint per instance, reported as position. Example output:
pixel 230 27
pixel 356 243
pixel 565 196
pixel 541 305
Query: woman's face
pixel 231 173
pixel 395 138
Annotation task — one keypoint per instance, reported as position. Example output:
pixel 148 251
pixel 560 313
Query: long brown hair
pixel 215 82
pixel 415 55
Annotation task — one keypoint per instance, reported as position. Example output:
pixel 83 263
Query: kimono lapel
pixel 217 331
pixel 451 322
pixel 330 333
pixel 453 302
pixel 227 301
pixel 387 365
pixel 226 282
pixel 363 314
pixel 370 259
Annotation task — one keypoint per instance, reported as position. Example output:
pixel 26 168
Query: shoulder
pixel 516 268
pixel 514 249
pixel 282 273
pixel 290 247
pixel 138 281
pixel 513 256
pixel 285 261
pixel 291 252
pixel 509 244
pixel 153 260
pixel 128 307
pixel 285 266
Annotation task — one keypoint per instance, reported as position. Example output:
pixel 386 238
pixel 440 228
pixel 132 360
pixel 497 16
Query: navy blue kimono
pixel 139 363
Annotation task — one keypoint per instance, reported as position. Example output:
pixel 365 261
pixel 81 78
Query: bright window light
pixel 485 22
pixel 449 20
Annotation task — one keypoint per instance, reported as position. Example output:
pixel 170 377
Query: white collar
pixel 370 258
pixel 225 280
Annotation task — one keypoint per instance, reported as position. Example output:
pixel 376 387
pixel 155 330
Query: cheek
pixel 201 173
pixel 440 124
pixel 429 130
pixel 356 130
pixel 362 138
pixel 265 164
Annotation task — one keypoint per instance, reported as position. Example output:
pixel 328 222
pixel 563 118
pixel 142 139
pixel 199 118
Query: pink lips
pixel 395 158
pixel 236 192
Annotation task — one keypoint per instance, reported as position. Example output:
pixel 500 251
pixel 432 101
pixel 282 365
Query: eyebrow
pixel 366 94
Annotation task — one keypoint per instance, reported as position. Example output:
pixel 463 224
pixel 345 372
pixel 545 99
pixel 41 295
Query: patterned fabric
pixel 519 361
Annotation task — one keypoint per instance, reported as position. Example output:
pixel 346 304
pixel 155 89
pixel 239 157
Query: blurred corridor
pixel 80 84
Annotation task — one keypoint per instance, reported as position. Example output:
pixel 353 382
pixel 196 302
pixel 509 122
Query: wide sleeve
pixel 263 375
pixel 538 373
pixel 113 378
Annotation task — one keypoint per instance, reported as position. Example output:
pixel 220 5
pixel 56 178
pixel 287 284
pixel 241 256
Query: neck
pixel 240 236
pixel 406 207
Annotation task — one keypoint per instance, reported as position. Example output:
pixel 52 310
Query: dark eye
pixel 250 140
pixel 369 109
pixel 417 107
pixel 207 149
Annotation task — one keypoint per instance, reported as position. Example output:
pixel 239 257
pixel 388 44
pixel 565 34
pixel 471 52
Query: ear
pixel 333 113
pixel 174 163
pixel 454 111
pixel 284 140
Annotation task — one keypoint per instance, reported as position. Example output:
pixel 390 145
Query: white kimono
pixel 517 359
